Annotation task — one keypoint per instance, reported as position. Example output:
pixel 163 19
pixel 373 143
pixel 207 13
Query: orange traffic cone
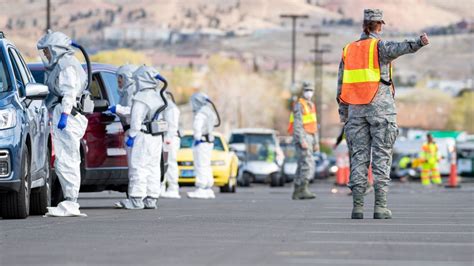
pixel 371 176
pixel 453 177
pixel 347 170
pixel 340 171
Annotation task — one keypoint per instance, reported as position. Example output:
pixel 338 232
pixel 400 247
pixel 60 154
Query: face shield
pixel 45 56
pixel 124 76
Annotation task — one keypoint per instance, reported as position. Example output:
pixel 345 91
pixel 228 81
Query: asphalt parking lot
pixel 256 226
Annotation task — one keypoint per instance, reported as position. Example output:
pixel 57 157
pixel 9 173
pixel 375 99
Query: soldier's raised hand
pixel 424 39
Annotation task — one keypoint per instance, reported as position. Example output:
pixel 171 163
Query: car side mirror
pixel 101 105
pixel 36 91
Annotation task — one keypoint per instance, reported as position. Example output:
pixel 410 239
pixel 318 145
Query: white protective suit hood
pixel 128 84
pixel 58 44
pixel 144 78
pixel 198 100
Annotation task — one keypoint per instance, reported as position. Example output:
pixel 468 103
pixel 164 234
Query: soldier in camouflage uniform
pixel 372 127
pixel 303 126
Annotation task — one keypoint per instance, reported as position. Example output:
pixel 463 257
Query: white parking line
pixel 390 232
pixel 397 224
pixel 392 243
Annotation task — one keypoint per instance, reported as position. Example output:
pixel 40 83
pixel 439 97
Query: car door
pixel 34 110
pixel 115 130
pixel 104 134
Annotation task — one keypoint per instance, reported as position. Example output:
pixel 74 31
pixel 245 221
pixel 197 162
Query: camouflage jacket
pixel 383 102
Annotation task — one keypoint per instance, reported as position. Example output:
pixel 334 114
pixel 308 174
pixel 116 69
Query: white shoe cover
pixel 170 194
pixel 65 209
pixel 199 193
pixel 130 204
pixel 210 193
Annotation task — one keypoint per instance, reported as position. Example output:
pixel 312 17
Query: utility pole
pixel 293 18
pixel 318 74
pixel 48 15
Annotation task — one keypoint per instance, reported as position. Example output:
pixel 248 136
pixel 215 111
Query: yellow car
pixel 224 163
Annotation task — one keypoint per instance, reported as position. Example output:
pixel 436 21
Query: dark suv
pixel 24 138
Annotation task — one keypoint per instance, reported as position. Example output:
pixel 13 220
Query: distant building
pixel 452 87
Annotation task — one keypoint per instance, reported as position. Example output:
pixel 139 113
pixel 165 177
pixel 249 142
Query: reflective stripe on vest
pixel 361 76
pixel 308 116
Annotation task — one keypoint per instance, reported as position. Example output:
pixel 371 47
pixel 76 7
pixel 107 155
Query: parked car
pixel 290 163
pixel 405 148
pixel 25 143
pixel 322 165
pixel 103 156
pixel 465 158
pixel 261 155
pixel 223 161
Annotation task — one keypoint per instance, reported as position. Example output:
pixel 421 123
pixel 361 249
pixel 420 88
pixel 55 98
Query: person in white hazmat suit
pixel 172 144
pixel 126 89
pixel 66 80
pixel 144 168
pixel 205 118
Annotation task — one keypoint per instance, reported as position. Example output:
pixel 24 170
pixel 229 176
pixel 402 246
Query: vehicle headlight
pixel 7 118
pixel 333 169
pixel 218 163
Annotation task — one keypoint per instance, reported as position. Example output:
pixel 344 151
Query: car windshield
pixel 237 138
pixel 4 81
pixel 261 147
pixel 187 143
pixel 290 152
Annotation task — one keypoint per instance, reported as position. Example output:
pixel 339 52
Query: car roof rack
pixel 2 35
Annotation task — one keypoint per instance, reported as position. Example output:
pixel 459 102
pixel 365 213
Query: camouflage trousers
pixel 306 164
pixel 366 136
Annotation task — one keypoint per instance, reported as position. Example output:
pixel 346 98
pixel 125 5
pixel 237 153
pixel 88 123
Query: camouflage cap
pixel 373 15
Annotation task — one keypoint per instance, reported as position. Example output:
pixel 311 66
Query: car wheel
pixel 41 197
pixel 16 205
pixel 275 180
pixel 246 178
pixel 230 186
pixel 282 180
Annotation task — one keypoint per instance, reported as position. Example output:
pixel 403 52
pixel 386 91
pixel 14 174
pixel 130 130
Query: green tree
pixel 462 115
pixel 120 57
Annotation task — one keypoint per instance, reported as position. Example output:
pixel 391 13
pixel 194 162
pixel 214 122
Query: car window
pixel 237 138
pixel 110 82
pixel 261 147
pixel 24 75
pixel 38 76
pixel 4 81
pixel 187 143
pixel 16 71
pixel 24 67
pixel 96 92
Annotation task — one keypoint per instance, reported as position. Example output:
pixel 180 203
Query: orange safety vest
pixel 361 76
pixel 309 118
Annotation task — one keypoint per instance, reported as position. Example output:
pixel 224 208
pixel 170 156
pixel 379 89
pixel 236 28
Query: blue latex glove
pixel 197 142
pixel 112 109
pixel 130 141
pixel 63 121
